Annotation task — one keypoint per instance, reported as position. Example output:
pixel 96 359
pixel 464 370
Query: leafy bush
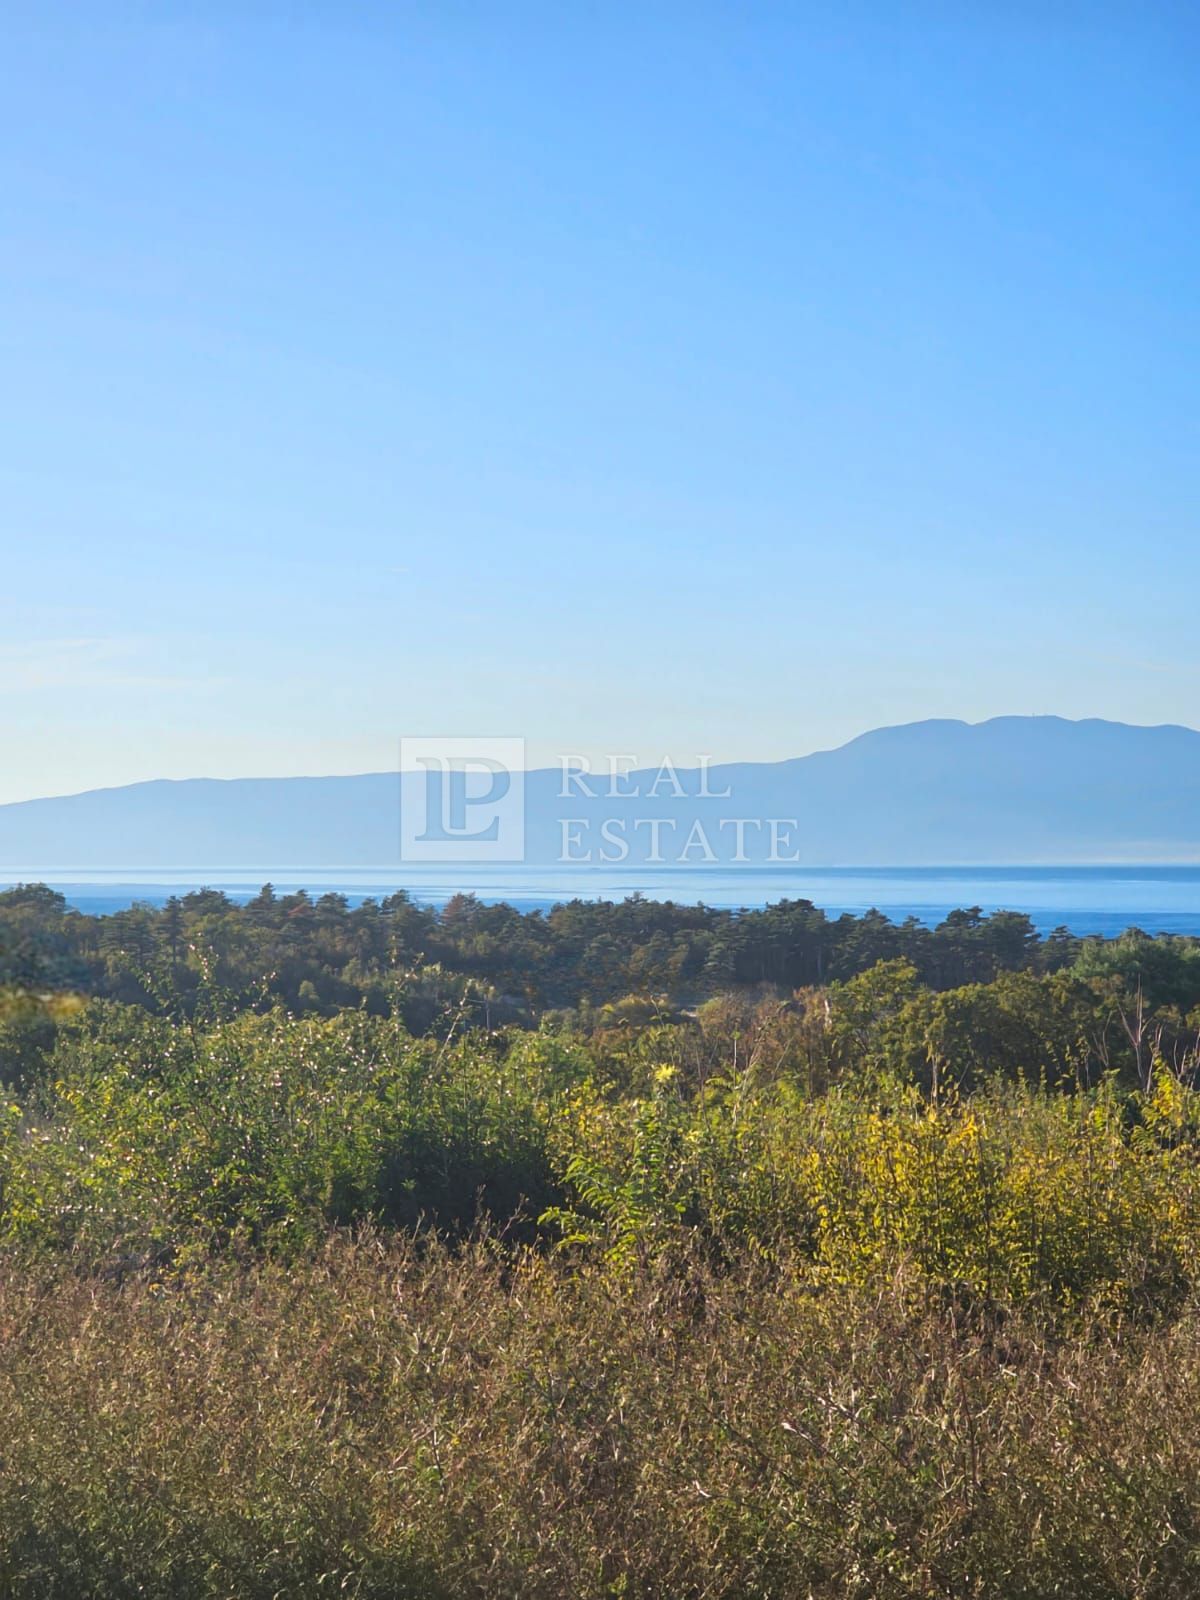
pixel 1011 1194
pixel 148 1138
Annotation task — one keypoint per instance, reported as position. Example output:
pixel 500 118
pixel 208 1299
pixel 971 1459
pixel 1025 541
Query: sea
pixel 1096 900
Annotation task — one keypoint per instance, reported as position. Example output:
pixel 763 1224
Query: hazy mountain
pixel 1013 790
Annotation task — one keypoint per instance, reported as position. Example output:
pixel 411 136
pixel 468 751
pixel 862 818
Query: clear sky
pixel 702 378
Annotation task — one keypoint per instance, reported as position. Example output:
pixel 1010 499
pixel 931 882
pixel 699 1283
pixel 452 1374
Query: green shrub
pixel 151 1138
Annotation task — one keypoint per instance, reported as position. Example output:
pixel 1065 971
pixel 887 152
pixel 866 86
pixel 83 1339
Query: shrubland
pixel 877 1283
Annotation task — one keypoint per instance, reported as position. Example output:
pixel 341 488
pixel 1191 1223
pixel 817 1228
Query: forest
pixel 629 1249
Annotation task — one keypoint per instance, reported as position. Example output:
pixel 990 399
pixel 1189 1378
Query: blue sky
pixel 698 378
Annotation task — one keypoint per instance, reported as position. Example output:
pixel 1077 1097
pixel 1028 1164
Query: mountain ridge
pixel 1010 790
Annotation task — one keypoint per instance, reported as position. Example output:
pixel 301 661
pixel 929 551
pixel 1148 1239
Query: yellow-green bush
pixel 1010 1193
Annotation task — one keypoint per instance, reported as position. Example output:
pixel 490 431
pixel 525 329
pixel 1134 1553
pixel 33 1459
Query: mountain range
pixel 1009 791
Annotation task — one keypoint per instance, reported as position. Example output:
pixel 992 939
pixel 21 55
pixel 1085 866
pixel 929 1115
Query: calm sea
pixel 1087 900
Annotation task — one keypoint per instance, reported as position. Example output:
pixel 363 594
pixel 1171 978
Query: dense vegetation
pixel 322 955
pixel 629 1250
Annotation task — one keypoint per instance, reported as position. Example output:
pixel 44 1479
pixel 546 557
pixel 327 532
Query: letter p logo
pixel 462 799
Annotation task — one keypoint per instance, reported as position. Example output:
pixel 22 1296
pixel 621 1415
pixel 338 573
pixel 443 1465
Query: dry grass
pixel 377 1421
